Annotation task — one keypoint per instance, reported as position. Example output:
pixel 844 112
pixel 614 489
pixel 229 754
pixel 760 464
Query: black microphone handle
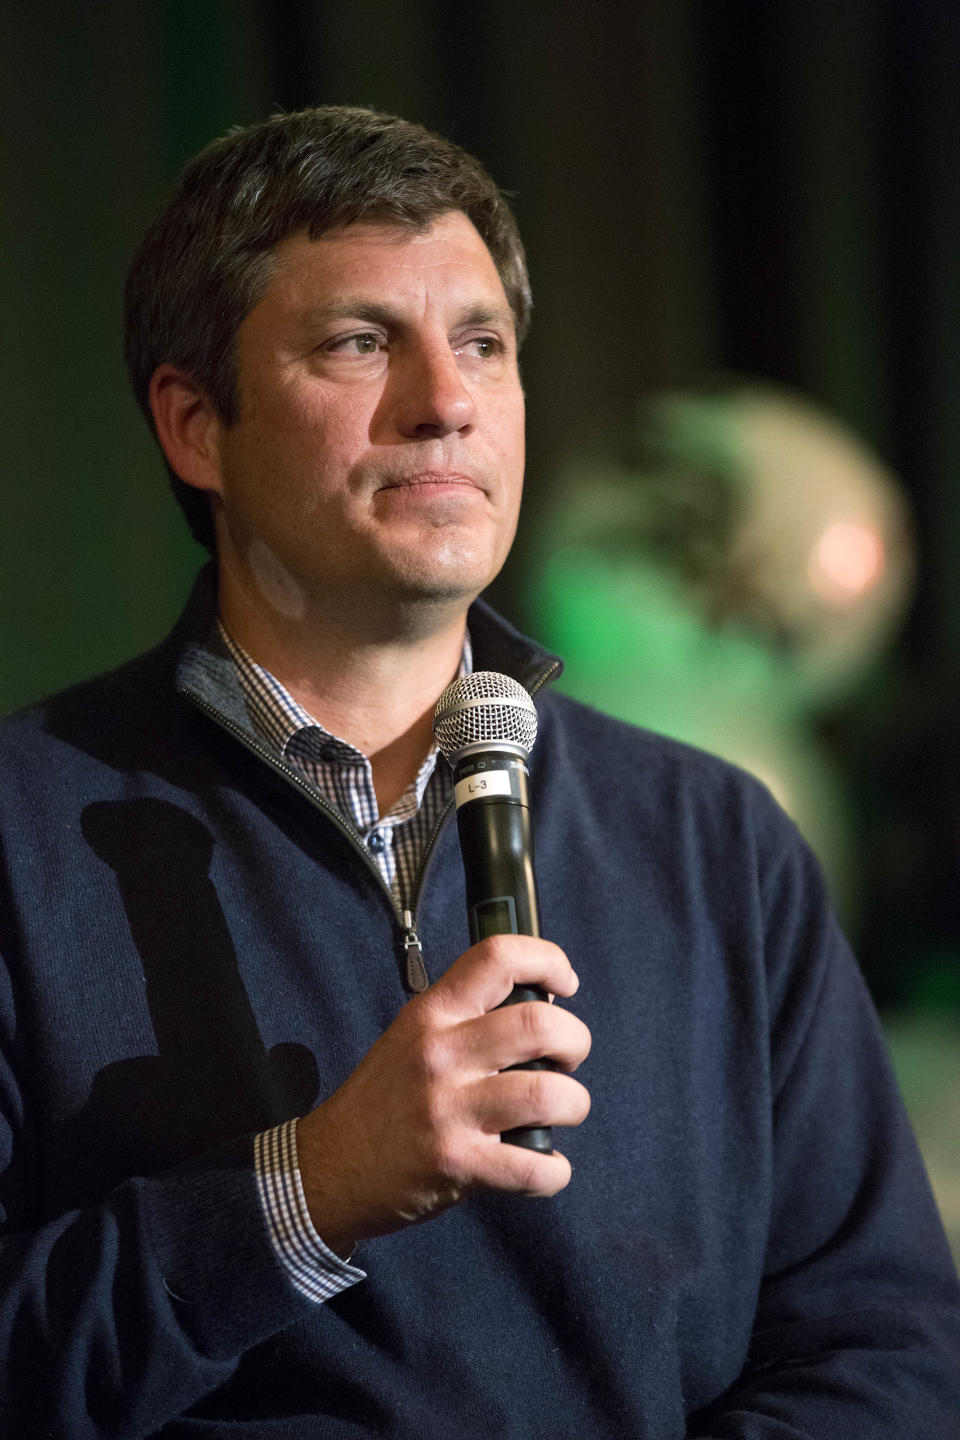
pixel 496 841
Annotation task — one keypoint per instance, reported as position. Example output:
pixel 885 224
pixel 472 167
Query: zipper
pixel 546 677
pixel 417 977
pixel 297 780
pixel 415 970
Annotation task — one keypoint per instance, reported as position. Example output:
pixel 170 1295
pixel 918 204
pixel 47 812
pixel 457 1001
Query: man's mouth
pixel 428 478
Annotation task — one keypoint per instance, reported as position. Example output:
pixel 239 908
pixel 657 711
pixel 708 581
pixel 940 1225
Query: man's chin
pixel 439 590
pixel 443 572
pixel 412 603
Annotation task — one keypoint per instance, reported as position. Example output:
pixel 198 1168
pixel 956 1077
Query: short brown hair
pixel 208 257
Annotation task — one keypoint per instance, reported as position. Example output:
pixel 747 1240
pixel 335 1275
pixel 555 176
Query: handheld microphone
pixel 485 725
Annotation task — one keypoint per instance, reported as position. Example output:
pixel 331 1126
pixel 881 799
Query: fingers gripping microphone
pixel 485 724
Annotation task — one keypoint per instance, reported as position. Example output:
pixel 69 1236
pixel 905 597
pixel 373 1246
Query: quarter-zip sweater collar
pixel 206 674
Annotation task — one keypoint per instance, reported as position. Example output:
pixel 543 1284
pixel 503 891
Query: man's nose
pixel 430 396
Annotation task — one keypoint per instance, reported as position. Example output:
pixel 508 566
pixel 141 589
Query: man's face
pixel 378 453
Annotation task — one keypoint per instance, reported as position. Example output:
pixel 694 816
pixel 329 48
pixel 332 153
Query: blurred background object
pixel 748 189
pixel 730 575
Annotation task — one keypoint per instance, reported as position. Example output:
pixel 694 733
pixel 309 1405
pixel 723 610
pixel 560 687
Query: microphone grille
pixel 484 706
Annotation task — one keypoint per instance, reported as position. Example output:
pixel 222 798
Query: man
pixel 246 1045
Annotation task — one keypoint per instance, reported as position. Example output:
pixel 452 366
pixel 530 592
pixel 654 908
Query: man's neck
pixel 376 691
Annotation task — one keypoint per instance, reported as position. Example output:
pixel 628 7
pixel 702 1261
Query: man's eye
pixel 485 347
pixel 365 343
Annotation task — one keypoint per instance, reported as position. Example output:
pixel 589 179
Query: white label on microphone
pixel 484 783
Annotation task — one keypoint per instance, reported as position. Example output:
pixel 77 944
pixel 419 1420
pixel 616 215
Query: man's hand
pixel 416 1127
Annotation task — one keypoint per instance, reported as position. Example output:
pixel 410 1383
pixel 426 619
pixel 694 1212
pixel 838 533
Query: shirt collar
pixel 278 719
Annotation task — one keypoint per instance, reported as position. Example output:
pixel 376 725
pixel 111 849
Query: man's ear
pixel 188 427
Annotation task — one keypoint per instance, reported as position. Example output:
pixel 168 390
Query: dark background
pixel 762 187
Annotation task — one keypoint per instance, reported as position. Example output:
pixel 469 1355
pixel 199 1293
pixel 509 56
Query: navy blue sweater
pixel 194 949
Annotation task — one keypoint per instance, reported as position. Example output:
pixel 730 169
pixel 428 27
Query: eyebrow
pixel 375 312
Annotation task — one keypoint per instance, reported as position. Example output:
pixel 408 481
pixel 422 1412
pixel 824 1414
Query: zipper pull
pixel 417 979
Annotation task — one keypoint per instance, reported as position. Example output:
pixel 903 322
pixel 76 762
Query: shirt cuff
pixel 313 1269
